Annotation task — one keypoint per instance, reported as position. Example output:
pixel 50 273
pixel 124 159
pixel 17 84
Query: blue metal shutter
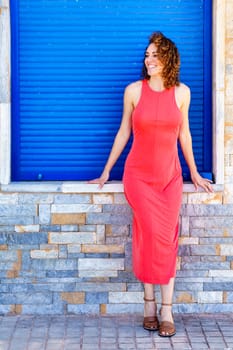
pixel 71 61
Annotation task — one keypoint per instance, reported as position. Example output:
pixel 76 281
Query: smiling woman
pixel 152 175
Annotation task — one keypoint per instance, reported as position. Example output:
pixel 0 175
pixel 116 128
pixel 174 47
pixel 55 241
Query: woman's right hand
pixel 101 180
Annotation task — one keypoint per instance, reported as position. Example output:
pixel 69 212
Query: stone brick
pixel 16 220
pixel 102 198
pixel 23 238
pixel 184 297
pixel 68 219
pixel 218 286
pixel 71 237
pixel 184 225
pixel 83 309
pixel 221 273
pixel 118 230
pixel 26 298
pixel 8 198
pixel 211 222
pixel 63 251
pixel 74 248
pixel 203 249
pixel 205 198
pixel 101 287
pixel 8 255
pixel 18 210
pixel 188 240
pixel 54 264
pixel 75 208
pixel 112 309
pixel 210 297
pixel 226 249
pixel 44 254
pixel 125 297
pixel 99 248
pixel 119 198
pixel 35 198
pixel 72 198
pixel 44 214
pixel 108 218
pixel 97 273
pixel 100 234
pixel 101 264
pixel 210 210
pixel 27 228
pixel 73 297
pixel 96 298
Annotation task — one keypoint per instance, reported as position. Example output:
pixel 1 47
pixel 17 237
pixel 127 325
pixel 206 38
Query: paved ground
pixel 197 332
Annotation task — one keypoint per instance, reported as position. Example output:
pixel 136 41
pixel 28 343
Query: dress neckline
pixel 156 91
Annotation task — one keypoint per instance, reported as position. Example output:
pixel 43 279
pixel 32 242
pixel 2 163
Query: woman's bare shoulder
pixel 183 89
pixel 134 87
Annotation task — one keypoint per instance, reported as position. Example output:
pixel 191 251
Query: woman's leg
pixel 167 298
pixel 150 308
pixel 150 321
pixel 167 327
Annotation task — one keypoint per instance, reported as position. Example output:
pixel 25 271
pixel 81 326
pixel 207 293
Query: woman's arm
pixel 121 137
pixel 185 139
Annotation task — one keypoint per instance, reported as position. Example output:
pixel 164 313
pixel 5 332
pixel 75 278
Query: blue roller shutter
pixel 71 60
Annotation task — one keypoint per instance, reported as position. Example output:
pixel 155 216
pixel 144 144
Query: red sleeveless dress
pixel 153 184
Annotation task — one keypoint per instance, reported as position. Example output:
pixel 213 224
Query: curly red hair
pixel 169 56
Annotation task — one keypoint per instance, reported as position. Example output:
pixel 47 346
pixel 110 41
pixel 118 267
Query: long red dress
pixel 153 185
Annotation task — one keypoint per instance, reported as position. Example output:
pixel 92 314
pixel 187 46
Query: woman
pixel 156 109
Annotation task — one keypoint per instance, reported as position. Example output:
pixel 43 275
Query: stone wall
pixel 66 250
pixel 66 247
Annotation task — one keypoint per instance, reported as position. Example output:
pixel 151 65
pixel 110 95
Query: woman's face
pixel 153 65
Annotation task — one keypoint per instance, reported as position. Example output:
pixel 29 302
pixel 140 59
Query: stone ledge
pixel 82 187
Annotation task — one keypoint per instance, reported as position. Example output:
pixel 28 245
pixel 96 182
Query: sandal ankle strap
pixel 145 299
pixel 165 304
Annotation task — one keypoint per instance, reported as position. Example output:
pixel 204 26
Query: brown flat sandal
pixel 166 328
pixel 150 323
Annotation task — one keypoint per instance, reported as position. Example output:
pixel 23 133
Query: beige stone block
pixel 188 240
pixel 205 198
pixel 68 219
pixel 229 113
pixel 229 47
pixel 102 248
pixel 103 309
pixel 184 297
pixel 228 194
pixel 73 297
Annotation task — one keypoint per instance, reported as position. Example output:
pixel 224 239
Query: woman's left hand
pixel 198 180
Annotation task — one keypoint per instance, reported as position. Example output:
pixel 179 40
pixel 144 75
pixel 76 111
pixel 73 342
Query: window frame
pixel 218 96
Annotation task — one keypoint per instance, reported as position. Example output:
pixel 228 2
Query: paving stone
pixel 116 332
